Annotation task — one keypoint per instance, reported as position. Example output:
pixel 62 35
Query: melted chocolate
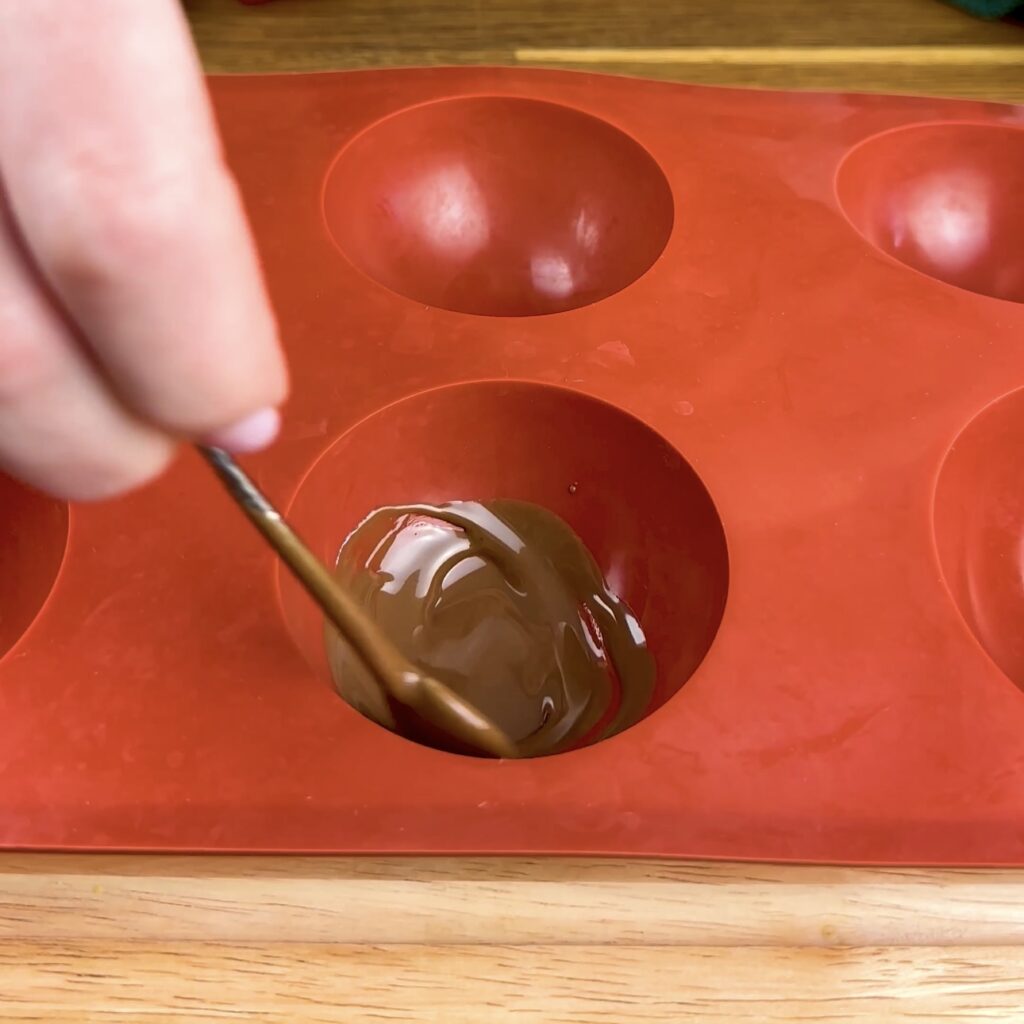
pixel 502 603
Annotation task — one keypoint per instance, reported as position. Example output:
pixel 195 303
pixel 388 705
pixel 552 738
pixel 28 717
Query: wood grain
pixel 359 984
pixel 463 941
pixel 916 46
pixel 114 938
pixel 502 901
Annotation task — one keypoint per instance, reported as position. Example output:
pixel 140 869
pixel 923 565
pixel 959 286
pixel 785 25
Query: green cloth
pixel 989 8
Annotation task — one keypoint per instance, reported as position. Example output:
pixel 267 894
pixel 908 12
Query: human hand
pixel 132 311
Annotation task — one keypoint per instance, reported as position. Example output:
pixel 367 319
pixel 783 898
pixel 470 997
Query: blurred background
pixel 911 46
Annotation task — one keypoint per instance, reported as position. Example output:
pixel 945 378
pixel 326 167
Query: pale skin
pixel 133 315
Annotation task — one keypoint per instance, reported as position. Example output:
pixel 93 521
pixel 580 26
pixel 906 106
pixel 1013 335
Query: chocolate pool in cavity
pixel 502 602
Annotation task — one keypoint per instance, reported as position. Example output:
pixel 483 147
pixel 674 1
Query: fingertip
pixel 251 433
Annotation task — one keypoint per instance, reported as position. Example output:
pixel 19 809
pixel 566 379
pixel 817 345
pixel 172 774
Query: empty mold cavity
pixel 33 536
pixel 979 530
pixel 628 494
pixel 944 199
pixel 498 206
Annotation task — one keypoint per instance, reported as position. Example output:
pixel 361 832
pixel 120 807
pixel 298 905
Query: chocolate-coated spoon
pixel 426 696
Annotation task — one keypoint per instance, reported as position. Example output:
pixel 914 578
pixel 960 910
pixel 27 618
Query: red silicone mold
pixel 763 351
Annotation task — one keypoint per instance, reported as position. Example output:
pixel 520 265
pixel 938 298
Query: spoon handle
pixel 399 677
pixel 346 615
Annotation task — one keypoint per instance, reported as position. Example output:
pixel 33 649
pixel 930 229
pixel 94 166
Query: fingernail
pixel 249 434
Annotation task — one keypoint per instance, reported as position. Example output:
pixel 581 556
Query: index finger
pixel 114 173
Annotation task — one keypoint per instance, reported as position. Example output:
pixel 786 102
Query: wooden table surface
pixel 462 941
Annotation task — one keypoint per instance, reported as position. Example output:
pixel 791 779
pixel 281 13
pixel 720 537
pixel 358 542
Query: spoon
pixel 426 696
